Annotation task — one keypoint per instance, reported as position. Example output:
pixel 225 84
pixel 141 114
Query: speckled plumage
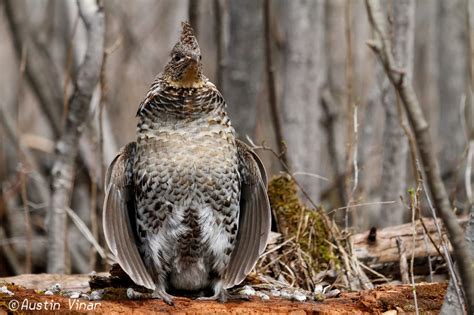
pixel 186 205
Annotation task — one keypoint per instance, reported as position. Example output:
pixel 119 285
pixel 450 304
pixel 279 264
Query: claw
pixel 135 295
pixel 157 294
pixel 162 295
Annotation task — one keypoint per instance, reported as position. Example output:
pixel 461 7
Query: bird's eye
pixel 177 58
pixel 200 57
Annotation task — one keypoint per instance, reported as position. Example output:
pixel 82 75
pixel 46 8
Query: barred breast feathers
pixel 183 102
pixel 183 112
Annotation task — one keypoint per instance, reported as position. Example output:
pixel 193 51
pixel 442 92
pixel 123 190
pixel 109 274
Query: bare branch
pixel 382 48
pixel 39 66
pixel 271 84
pixel 91 13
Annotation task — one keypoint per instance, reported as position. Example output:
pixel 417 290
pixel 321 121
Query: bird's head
pixel 184 68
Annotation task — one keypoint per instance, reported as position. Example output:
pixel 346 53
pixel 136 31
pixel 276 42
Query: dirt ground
pixel 392 299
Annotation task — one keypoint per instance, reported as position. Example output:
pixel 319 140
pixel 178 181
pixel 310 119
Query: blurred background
pixel 314 98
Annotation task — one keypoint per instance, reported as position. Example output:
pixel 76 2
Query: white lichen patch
pixel 247 290
pixel 318 289
pixel 333 293
pixel 299 296
pixel 4 290
pixel 96 295
pixel 285 294
pixel 263 296
pixel 55 288
pixel 275 293
pixel 75 295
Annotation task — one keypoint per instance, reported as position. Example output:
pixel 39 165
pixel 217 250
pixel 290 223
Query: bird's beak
pixel 194 57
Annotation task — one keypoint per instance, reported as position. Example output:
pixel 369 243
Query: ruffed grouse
pixel 186 205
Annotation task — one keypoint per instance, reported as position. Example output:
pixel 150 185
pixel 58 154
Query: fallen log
pixel 378 248
pixel 387 298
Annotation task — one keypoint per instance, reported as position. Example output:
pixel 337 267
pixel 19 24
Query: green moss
pixel 306 224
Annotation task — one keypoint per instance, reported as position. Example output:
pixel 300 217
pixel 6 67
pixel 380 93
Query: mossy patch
pixel 307 226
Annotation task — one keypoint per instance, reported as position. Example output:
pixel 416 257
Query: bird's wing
pixel 118 228
pixel 254 217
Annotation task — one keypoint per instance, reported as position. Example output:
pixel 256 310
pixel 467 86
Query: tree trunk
pixel 336 111
pixel 382 47
pixel 67 145
pixel 395 144
pixel 426 71
pixel 452 303
pixel 453 69
pixel 302 79
pixel 243 79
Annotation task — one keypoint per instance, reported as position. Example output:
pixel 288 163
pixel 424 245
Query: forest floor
pixel 388 299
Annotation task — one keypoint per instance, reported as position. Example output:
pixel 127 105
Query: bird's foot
pixel 162 295
pixel 223 296
pixel 132 294
pixel 157 294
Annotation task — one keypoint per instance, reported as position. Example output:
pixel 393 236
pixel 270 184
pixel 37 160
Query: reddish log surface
pixel 384 298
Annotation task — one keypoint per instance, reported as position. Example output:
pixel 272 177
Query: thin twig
pixel 430 266
pixel 414 207
pixel 40 184
pixel 23 177
pixel 355 167
pixel 467 174
pixel 82 227
pixel 354 275
pixel 277 247
pixel 26 213
pixel 93 218
pixel 446 255
pixel 102 103
pixel 425 229
pixel 383 50
pixel 311 175
pixel 11 259
pixel 220 13
pixel 271 85
pixel 363 205
pixel 351 158
pixel 378 274
pixel 67 72
pixel 285 168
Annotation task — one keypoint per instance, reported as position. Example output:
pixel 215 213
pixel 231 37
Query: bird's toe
pixel 162 295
